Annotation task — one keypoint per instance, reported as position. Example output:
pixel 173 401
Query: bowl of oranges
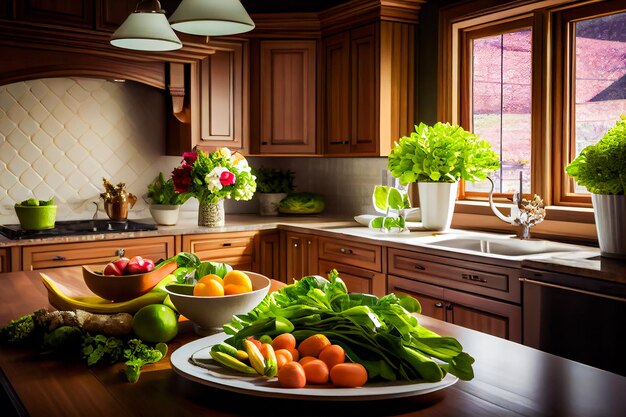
pixel 213 300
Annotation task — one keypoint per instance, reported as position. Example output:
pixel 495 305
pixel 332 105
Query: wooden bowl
pixel 124 287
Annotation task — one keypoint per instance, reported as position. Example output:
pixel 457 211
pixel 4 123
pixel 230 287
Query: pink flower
pixel 189 157
pixel 181 177
pixel 227 178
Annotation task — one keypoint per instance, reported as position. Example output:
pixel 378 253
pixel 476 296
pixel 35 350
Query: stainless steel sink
pixel 505 246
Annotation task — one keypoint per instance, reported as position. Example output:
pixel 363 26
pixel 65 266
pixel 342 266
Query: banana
pixel 232 363
pixel 230 350
pixel 94 304
pixel 255 357
pixel 271 364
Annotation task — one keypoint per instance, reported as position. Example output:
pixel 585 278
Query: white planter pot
pixel 610 215
pixel 437 204
pixel 268 203
pixel 163 214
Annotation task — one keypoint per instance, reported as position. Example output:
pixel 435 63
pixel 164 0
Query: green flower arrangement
pixel 215 176
pixel 442 153
pixel 272 180
pixel 601 168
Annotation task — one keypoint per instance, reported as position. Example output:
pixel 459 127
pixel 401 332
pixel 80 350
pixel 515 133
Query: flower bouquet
pixel 210 178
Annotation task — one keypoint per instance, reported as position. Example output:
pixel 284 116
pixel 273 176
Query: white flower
pixel 212 179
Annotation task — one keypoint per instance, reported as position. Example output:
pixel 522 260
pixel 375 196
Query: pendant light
pixel 146 29
pixel 211 18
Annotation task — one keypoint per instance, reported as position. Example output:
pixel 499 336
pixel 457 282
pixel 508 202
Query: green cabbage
pixel 601 168
pixel 302 203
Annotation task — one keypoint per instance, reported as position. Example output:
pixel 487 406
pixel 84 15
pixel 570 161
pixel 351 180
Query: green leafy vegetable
pixel 20 330
pixel 162 191
pixel 442 153
pixel 302 203
pixel 380 333
pixel 100 348
pixel 138 354
pixel 601 168
pixel 272 180
pixel 191 268
pixel 392 203
pixel 64 339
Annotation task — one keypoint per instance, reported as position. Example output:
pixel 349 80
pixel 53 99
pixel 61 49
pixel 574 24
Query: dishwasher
pixel 578 318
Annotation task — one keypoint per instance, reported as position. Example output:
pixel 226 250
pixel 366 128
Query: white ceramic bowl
pixel 209 314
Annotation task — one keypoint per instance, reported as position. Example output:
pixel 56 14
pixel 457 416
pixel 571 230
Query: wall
pixel 59 137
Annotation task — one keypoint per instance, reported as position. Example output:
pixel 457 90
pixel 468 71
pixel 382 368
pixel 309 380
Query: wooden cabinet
pixel 474 312
pixel 368 77
pixel 233 248
pixel 267 254
pixel 300 256
pixel 98 252
pixel 356 279
pixel 479 296
pixel 287 97
pixel 110 14
pixel 5 265
pixel 78 13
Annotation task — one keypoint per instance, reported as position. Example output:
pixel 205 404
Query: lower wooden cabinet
pixel 468 310
pixel 5 260
pixel 300 254
pixel 233 248
pixel 267 254
pixel 356 279
pixel 97 252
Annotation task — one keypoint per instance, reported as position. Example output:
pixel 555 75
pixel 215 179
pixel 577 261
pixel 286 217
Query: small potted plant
pixel 437 157
pixel 601 168
pixel 272 186
pixel 165 202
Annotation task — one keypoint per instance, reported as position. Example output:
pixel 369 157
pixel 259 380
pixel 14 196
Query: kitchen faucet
pixel 524 213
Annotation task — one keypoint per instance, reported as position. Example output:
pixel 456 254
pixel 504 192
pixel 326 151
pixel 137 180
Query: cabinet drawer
pixel 494 281
pixel 351 253
pixel 84 253
pixel 236 249
pixel 356 279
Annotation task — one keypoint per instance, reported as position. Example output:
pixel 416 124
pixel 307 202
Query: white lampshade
pixel 146 31
pixel 211 18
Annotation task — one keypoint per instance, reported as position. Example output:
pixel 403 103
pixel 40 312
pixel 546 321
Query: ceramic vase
pixel 268 203
pixel 165 214
pixel 437 204
pixel 211 214
pixel 610 216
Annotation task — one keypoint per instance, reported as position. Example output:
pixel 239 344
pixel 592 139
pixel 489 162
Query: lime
pixel 155 323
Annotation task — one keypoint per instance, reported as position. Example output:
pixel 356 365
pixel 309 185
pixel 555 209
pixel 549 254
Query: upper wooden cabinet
pixel 79 13
pixel 368 78
pixel 287 86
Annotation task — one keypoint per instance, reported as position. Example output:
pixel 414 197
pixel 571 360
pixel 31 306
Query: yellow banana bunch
pixel 95 304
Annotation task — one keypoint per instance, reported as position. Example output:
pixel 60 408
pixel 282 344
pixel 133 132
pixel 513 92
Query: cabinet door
pixel 337 89
pixel 4 260
pixel 100 252
pixel 300 256
pixel 357 254
pixel 224 96
pixel 364 74
pixel 268 254
pixel 356 279
pixel 110 14
pixel 235 249
pixel 78 13
pixel 430 297
pixel 287 101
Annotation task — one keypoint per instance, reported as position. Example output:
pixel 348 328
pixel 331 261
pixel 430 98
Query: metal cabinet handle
pixel 309 242
pixel 346 251
pixel 420 267
pixel 227 244
pixel 473 277
pixel 449 306
pixel 120 252
pixel 58 258
pixel 295 245
pixel 439 305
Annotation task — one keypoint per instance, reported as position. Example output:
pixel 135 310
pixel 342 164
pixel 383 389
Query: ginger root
pixel 119 324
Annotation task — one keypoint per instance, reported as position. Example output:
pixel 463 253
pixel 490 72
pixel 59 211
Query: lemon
pixel 155 323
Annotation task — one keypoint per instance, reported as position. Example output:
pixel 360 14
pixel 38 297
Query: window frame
pixel 552 67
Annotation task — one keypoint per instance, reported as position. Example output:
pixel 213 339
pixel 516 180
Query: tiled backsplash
pixel 60 137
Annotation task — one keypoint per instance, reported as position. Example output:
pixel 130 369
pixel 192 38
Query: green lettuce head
pixel 601 168
pixel 442 153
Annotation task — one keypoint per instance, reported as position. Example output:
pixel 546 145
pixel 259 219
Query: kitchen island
pixel 510 379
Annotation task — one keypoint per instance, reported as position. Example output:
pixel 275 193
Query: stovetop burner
pixel 75 227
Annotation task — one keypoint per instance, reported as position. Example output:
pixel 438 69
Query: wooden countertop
pixel 511 380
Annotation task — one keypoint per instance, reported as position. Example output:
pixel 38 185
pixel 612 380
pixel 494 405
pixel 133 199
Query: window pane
pixel 501 105
pixel 600 74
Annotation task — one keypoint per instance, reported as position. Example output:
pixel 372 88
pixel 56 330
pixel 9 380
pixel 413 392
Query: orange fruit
pixel 313 345
pixel 284 341
pixel 291 375
pixel 232 289
pixel 315 371
pixel 348 375
pixel 239 279
pixel 217 278
pixel 294 354
pixel 306 359
pixel 208 288
pixel 332 355
pixel 155 323
pixel 282 357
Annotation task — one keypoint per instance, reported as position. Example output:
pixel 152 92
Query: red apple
pixel 116 267
pixel 139 265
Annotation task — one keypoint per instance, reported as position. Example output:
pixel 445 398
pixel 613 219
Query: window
pixel 540 81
